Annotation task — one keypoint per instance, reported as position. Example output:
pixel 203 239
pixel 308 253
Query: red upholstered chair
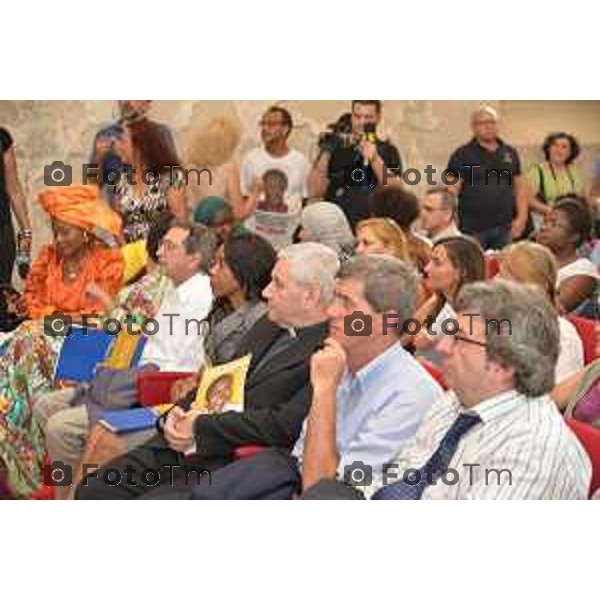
pixel 154 387
pixel 435 373
pixel 589 437
pixel 586 328
pixel 492 266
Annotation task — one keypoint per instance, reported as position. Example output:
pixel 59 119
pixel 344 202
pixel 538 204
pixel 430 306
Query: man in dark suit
pixel 276 392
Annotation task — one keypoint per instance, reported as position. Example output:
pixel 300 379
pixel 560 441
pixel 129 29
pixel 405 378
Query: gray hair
pixel 448 200
pixel 327 224
pixel 311 264
pixel 485 109
pixel 531 342
pixel 200 240
pixel 390 284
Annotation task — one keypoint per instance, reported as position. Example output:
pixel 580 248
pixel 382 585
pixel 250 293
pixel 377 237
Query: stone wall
pixel 425 131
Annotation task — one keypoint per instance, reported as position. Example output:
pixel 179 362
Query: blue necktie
pixel 434 468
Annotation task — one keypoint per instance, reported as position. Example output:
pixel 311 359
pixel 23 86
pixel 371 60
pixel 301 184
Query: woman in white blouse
pixel 566 227
pixel 526 262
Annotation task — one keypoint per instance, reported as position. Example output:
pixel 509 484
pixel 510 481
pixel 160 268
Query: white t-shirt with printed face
pixel 277 226
pixel 294 164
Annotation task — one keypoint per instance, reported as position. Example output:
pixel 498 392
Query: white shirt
pixel 581 266
pixel 570 357
pixel 450 231
pixel 178 344
pixel 277 227
pixel 294 164
pixel 525 440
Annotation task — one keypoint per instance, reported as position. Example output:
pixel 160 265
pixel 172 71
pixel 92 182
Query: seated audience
pixel 454 262
pixel 276 393
pixel 82 258
pixel 368 394
pixel 526 262
pixel 381 236
pixel 403 208
pixel 438 214
pixel 216 213
pixel 578 396
pixel 326 223
pixel 83 253
pixel 566 227
pixel 185 254
pixel 239 275
pixel 497 435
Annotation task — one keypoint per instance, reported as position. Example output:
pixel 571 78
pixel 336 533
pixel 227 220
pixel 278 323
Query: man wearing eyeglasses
pixel 492 201
pixel 438 214
pixel 274 154
pixel 497 435
pixel 184 254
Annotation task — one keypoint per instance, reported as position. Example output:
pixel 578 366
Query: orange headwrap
pixel 82 206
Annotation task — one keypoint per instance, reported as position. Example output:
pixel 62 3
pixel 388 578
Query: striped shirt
pixel 522 449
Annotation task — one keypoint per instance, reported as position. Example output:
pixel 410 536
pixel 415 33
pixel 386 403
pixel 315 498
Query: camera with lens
pixel 338 135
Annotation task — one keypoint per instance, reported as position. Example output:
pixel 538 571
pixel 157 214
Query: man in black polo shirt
pixel 350 166
pixel 491 204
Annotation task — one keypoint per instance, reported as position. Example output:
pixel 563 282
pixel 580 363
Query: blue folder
pixel 81 352
pixel 128 421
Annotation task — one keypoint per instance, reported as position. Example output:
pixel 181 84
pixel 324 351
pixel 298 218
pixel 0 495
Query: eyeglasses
pixel 466 340
pixel 169 246
pixel 270 123
pixel 432 208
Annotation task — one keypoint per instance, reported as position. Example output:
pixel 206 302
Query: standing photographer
pixel 352 161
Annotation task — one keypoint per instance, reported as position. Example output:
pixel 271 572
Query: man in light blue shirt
pixel 369 394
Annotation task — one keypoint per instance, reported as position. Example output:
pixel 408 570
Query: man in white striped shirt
pixel 498 435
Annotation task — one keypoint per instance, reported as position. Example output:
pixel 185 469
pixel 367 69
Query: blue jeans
pixel 495 238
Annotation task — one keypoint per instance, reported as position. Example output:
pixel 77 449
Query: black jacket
pixel 276 395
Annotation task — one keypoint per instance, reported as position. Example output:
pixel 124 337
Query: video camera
pixel 340 135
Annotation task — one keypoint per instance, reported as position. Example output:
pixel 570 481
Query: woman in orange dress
pixel 66 277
